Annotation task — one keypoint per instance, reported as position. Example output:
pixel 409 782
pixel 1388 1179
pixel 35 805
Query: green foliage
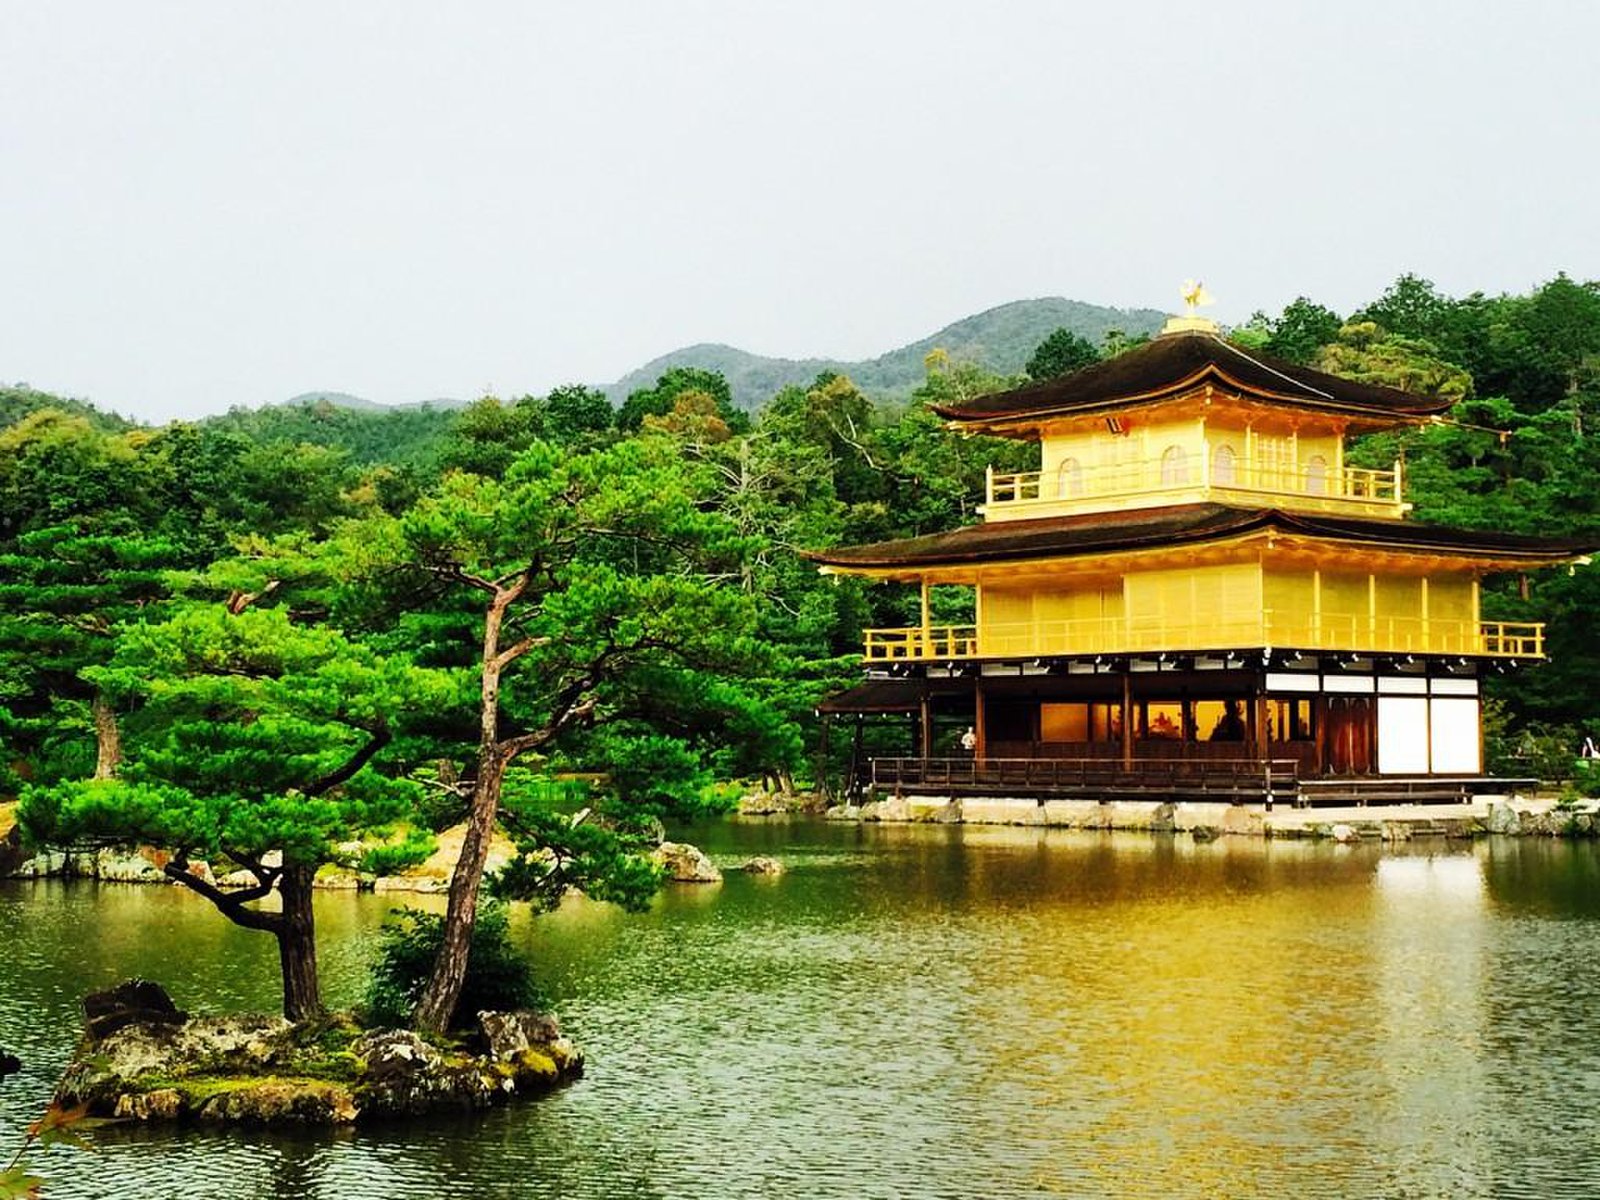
pixel 1536 751
pixel 397 437
pixel 604 853
pixel 1586 778
pixel 574 411
pixel 499 977
pixel 1364 351
pixel 1301 331
pixel 670 391
pixel 21 400
pixel 391 858
pixel 1062 353
pixel 489 434
pixel 652 773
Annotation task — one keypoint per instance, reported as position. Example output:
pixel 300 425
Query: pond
pixel 939 1012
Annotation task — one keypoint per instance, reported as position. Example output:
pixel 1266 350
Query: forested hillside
pixel 998 339
pixel 667 632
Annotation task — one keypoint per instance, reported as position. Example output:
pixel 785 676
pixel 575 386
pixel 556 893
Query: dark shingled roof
pixel 1185 524
pixel 890 695
pixel 1174 363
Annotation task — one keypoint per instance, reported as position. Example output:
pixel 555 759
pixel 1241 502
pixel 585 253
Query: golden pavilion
pixel 1194 593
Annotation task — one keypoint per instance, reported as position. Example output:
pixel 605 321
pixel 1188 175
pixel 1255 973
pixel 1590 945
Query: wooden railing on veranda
pixel 1358 632
pixel 1359 486
pixel 1105 778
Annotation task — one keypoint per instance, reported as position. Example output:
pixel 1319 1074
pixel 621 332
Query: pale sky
pixel 210 203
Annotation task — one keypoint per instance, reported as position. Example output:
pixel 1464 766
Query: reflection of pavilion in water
pixel 1195 593
pixel 1173 987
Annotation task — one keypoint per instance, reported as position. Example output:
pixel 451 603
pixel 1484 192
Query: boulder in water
pixel 1502 818
pixel 512 1035
pixel 686 864
pixel 762 865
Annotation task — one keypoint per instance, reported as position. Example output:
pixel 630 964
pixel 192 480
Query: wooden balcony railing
pixel 1098 486
pixel 1229 779
pixel 1359 632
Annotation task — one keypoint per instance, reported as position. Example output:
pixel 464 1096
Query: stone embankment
pixel 1206 822
pixel 781 804
pixel 145 864
pixel 681 862
pixel 143 1059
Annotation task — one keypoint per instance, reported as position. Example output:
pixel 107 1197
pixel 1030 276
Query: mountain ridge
pixel 1000 339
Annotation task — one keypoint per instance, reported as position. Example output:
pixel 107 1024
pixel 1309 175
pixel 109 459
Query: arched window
pixel 1222 473
pixel 1174 467
pixel 1317 475
pixel 1069 478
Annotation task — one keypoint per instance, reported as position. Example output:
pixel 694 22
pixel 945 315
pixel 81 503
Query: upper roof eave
pixel 1188 525
pixel 1177 363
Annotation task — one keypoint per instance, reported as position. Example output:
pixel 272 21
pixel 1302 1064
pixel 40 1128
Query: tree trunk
pixel 439 998
pixel 108 739
pixel 297 945
pixel 438 1001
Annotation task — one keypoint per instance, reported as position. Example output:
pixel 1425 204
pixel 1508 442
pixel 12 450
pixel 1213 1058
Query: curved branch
pixel 228 904
pixel 380 738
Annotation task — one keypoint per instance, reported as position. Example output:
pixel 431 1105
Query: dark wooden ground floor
pixel 1150 726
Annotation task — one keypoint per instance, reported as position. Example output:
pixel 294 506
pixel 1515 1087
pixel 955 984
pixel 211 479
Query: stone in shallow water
pixel 1502 818
pixel 686 864
pixel 762 865
pixel 510 1032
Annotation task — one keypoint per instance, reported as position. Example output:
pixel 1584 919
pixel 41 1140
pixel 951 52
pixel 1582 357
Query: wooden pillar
pixel 1319 734
pixel 1127 716
pixel 980 722
pixel 925 727
pixel 822 758
pixel 853 781
pixel 1258 721
pixel 927 620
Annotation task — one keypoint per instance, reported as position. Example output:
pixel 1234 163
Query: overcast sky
pixel 207 204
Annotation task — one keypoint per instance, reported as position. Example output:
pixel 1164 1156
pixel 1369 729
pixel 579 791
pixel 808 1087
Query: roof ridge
pixel 1300 383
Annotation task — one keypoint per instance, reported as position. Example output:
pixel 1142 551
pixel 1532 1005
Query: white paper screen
pixel 1455 736
pixel 1402 735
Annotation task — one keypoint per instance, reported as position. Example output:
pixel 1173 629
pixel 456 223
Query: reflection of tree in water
pixel 1553 876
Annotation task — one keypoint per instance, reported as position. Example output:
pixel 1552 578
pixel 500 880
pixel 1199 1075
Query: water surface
pixel 933 1012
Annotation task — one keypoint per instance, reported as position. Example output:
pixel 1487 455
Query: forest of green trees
pixel 263 636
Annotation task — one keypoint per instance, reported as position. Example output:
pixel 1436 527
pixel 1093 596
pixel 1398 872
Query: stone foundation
pixel 1206 821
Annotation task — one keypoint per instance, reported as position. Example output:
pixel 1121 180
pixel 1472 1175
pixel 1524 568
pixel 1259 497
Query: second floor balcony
pixel 1178 478
pixel 1361 633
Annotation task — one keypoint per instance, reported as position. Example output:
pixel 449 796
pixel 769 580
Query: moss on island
pixel 263 1070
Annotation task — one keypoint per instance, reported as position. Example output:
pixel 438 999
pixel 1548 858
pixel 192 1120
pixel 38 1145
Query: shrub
pixel 394 857
pixel 498 977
